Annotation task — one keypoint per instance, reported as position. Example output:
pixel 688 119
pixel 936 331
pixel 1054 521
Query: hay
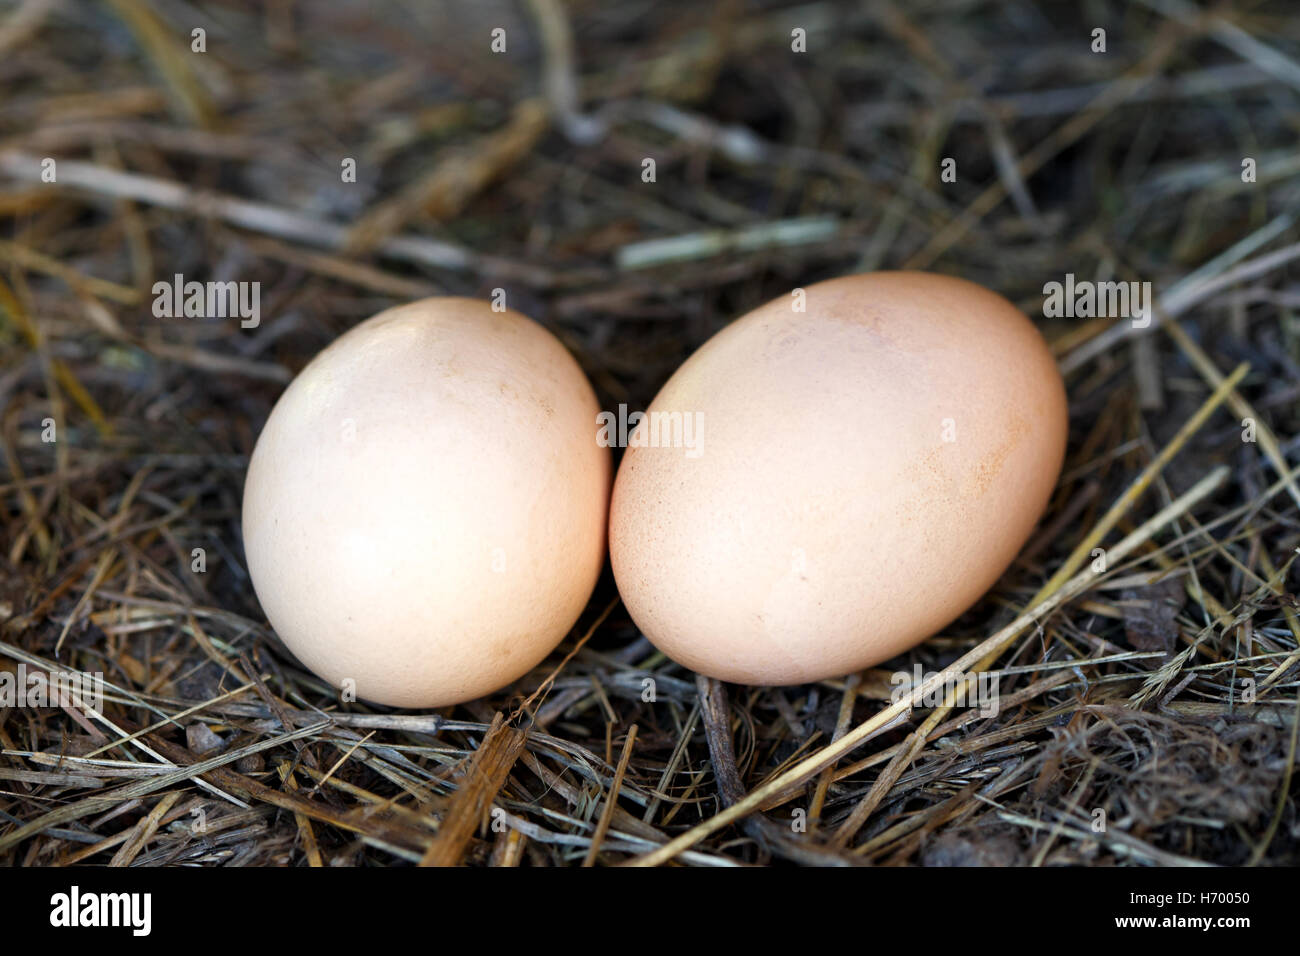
pixel 1146 715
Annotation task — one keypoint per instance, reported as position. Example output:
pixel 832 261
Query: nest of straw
pixel 1148 714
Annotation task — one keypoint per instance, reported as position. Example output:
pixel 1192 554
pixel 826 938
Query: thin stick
pixel 1180 298
pixel 1205 365
pixel 263 217
pixel 607 814
pixel 842 721
pixel 1143 481
pixel 485 774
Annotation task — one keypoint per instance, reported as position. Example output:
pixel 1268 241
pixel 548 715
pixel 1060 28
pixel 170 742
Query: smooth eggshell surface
pixel 864 471
pixel 425 509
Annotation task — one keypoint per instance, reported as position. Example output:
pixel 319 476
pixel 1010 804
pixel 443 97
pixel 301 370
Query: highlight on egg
pixel 879 449
pixel 425 509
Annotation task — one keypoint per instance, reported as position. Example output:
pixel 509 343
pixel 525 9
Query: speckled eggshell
pixel 425 510
pixel 867 468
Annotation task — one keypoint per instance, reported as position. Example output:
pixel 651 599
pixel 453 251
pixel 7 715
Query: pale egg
pixel 867 457
pixel 424 515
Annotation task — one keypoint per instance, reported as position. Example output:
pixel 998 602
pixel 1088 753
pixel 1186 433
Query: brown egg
pixel 863 471
pixel 424 516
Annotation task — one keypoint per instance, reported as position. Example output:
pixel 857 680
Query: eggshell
pixel 825 522
pixel 425 509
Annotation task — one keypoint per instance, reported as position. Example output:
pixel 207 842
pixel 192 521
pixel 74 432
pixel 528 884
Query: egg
pixel 424 513
pixel 866 457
